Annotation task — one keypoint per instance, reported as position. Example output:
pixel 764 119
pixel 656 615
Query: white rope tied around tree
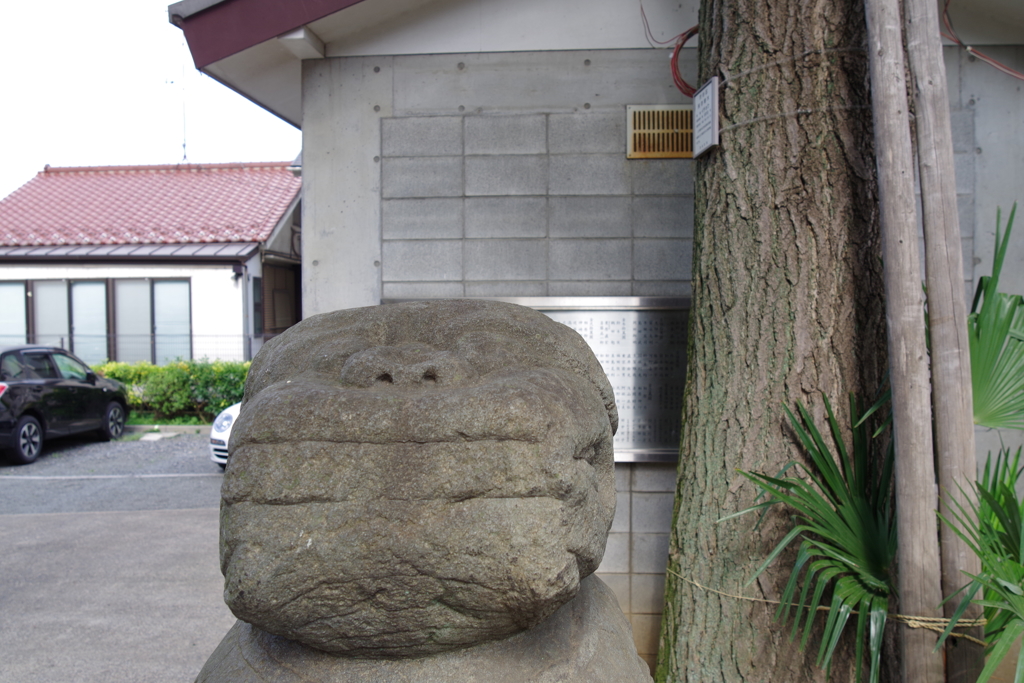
pixel 937 624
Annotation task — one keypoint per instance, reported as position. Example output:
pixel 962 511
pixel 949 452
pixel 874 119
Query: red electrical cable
pixel 680 40
pixel 683 86
pixel 952 35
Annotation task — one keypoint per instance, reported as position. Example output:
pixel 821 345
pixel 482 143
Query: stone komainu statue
pixel 418 492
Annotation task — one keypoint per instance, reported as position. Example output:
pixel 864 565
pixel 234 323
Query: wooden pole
pixel 919 582
pixel 947 314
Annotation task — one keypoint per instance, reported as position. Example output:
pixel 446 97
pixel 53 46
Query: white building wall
pixel 216 298
pixel 452 26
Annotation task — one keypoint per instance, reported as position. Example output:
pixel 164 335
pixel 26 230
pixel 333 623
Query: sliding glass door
pixel 172 320
pixel 89 321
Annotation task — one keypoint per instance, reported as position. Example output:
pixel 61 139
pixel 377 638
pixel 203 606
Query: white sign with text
pixel 705 117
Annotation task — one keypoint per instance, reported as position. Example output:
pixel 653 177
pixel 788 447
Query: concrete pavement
pixel 109 589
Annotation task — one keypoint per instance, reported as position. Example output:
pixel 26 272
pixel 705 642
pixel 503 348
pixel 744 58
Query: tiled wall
pixel 637 551
pixel 530 205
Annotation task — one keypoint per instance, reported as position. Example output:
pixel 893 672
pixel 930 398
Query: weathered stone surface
pixel 416 478
pixel 587 640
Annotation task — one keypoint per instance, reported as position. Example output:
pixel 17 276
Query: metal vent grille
pixel 659 131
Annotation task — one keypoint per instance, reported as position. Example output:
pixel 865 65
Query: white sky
pixel 111 84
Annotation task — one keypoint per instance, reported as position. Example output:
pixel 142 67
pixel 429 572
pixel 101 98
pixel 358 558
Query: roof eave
pixel 120 254
pixel 277 111
pixel 215 29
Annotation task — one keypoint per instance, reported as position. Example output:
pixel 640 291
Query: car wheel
pixel 113 422
pixel 29 441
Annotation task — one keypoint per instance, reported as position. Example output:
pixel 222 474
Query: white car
pixel 220 433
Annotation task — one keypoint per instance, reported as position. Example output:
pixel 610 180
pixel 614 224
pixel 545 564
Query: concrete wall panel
pixel 962 123
pixel 507 217
pixel 660 288
pixel 663 259
pixel 590 216
pixel 588 133
pixel 663 217
pixel 591 259
pixel 996 102
pixel 403 27
pixel 424 260
pixel 506 260
pixel 341 181
pixel 422 136
pixel 544 82
pixel 506 175
pixel 661 176
pixel 595 174
pixel 506 135
pixel 499 288
pixel 422 177
pixel 421 218
pixel 423 290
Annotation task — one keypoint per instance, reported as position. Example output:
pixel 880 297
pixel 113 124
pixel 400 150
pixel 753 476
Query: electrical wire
pixel 688 90
pixel 679 41
pixel 683 86
pixel 654 42
pixel 952 35
pixel 184 118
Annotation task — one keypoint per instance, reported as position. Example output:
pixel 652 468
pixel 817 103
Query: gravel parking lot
pixel 83 475
pixel 108 553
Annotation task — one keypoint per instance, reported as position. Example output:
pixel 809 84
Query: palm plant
pixel 993 528
pixel 996 337
pixel 847 532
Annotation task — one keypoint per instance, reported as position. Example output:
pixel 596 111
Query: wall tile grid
pixel 637 551
pixel 530 205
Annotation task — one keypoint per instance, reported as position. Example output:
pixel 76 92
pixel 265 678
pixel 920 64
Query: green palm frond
pixel 996 337
pixel 992 524
pixel 847 534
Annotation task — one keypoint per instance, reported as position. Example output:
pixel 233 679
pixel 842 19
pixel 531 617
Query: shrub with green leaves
pixel 996 338
pixel 132 375
pixel 992 525
pixel 127 373
pixel 198 388
pixel 847 533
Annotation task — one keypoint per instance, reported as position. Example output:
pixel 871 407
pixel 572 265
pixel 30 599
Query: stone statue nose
pixel 409 366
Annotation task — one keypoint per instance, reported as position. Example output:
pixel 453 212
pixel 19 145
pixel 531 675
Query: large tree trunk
pixel 787 304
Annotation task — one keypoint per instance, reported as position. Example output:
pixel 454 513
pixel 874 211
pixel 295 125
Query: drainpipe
pixel 242 272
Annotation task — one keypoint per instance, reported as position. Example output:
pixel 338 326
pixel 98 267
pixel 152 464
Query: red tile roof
pixel 148 204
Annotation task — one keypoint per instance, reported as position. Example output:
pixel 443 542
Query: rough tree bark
pixel 787 304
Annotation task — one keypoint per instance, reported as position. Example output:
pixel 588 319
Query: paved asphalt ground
pixel 108 563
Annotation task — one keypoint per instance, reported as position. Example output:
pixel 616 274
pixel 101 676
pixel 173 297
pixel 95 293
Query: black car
pixel 47 392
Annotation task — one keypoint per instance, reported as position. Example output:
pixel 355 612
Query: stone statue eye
pixel 486 351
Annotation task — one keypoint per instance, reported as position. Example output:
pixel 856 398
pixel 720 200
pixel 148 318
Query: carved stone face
pixel 414 478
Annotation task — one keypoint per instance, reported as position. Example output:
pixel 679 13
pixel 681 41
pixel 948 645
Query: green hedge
pixel 183 388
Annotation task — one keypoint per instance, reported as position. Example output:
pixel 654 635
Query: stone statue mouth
pixel 413 474
pixel 527 405
pixel 532 434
